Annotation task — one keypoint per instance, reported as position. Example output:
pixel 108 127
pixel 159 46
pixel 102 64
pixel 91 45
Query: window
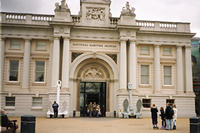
pixel 146 103
pixel 39 71
pixel 170 101
pixel 41 46
pixel 167 51
pixel 144 50
pixel 10 101
pixel 13 74
pixel 144 74
pixel 167 75
pixel 37 101
pixel 15 44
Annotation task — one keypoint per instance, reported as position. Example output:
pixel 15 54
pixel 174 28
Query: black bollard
pixel 194 125
pixel 115 114
pixel 74 113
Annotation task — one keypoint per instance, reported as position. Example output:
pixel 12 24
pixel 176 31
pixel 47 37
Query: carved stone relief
pixel 93 72
pixel 95 14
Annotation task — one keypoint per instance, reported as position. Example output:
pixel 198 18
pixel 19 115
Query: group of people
pixel 93 109
pixel 168 117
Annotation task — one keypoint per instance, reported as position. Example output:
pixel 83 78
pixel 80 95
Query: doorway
pixel 92 92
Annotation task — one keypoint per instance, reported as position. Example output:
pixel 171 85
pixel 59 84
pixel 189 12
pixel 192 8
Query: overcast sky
pixel 159 10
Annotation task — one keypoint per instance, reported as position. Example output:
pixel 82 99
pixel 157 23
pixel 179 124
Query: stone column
pixel 26 65
pixel 65 64
pixel 156 68
pixel 55 62
pixel 188 70
pixel 132 65
pixel 2 62
pixel 123 65
pixel 179 68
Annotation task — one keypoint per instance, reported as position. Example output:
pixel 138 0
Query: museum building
pixel 95 56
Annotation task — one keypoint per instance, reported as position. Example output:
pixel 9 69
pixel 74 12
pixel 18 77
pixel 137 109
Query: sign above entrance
pixel 99 46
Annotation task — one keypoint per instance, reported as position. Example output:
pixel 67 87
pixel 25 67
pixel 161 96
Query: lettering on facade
pixel 95 14
pixel 94 45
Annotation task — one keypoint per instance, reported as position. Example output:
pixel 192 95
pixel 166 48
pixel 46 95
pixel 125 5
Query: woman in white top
pixel 175 116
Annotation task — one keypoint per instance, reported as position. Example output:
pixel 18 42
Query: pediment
pixel 97 1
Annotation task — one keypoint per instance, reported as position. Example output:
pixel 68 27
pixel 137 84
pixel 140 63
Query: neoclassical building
pixel 95 56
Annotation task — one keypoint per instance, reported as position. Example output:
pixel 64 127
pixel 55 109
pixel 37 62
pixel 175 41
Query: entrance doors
pixel 92 92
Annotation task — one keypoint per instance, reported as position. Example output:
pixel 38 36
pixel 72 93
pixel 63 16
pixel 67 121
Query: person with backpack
pixel 169 112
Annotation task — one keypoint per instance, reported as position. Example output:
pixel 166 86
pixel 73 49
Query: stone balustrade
pixel 114 21
pixel 76 18
pixel 38 19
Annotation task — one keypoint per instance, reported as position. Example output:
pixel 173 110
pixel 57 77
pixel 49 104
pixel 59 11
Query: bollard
pixel 194 125
pixel 115 114
pixel 74 113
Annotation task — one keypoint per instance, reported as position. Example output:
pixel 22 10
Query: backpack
pixel 171 112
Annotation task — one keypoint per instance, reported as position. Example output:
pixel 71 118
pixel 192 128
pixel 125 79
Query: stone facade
pixel 93 46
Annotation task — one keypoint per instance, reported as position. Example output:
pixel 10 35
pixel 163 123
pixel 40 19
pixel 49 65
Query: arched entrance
pixel 93 79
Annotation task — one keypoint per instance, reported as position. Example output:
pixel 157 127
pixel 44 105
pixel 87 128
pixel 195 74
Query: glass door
pixel 92 92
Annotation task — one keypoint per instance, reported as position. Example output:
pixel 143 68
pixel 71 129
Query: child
pixel 162 114
pixel 154 111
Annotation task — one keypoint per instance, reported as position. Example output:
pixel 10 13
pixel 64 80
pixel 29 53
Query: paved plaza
pixel 102 125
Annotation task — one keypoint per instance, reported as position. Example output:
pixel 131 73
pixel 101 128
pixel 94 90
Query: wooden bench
pixel 10 125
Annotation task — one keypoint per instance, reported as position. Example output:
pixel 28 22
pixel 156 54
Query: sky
pixel 152 10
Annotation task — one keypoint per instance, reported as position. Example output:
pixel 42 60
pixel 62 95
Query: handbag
pixel 88 111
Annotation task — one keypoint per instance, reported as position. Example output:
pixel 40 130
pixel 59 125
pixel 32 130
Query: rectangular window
pixel 37 101
pixel 10 101
pixel 39 71
pixel 144 74
pixel 170 101
pixel 13 74
pixel 15 44
pixel 144 50
pixel 167 51
pixel 146 103
pixel 41 46
pixel 167 75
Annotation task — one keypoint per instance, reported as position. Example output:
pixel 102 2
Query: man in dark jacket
pixel 169 117
pixel 55 109
pixel 154 115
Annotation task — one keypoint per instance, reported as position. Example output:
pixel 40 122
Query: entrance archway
pixel 88 70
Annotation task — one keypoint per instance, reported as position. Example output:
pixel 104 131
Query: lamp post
pixel 130 99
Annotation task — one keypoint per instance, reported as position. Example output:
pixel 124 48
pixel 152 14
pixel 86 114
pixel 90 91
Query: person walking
pixel 168 116
pixel 94 109
pixel 175 116
pixel 162 114
pixel 154 111
pixel 90 109
pixel 98 110
pixel 55 107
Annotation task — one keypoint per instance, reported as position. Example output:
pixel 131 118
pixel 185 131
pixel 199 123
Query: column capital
pixel 123 40
pixel 157 45
pixel 27 39
pixel 179 46
pixel 132 41
pixel 188 46
pixel 66 37
pixel 56 37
